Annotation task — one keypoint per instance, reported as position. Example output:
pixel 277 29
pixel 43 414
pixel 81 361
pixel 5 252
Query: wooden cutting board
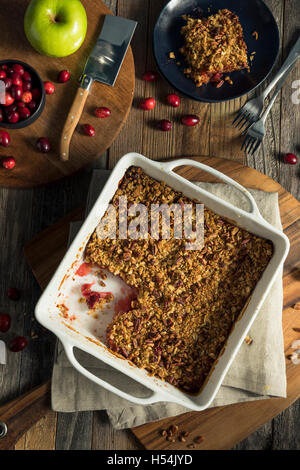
pixel 32 167
pixel 224 426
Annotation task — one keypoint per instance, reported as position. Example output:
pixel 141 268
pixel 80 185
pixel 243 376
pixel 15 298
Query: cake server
pixel 103 65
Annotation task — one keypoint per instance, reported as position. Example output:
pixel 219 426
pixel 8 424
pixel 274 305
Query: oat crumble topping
pixel 187 300
pixel 213 46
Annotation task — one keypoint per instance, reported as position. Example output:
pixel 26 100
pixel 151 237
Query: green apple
pixel 55 28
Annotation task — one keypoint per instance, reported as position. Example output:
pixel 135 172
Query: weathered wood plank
pixel 74 431
pixel 132 134
pixel 106 438
pixel 266 158
pixel 41 436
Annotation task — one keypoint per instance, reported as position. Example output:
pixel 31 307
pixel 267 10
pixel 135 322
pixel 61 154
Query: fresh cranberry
pixel 36 94
pixel 4 322
pixel 16 79
pixel 102 112
pixel 173 100
pixel 4 138
pixel 16 92
pixel 20 104
pixel 18 69
pixel 148 104
pixel 32 105
pixel 10 109
pixel 8 83
pixel 4 67
pixel 9 163
pixel 8 99
pixel 26 97
pixel 89 130
pixel 49 88
pixel 43 145
pixel 63 76
pixel 13 293
pixel 10 71
pixel 24 113
pixel 290 158
pixel 150 76
pixel 18 344
pixel 26 77
pixel 165 125
pixel 27 86
pixel 2 74
pixel 13 117
pixel 190 120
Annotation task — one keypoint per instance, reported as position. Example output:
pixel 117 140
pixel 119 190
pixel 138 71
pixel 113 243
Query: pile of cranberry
pixel 21 96
pixel 19 342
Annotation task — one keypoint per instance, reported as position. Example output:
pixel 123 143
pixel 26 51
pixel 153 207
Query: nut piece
pixel 248 340
pixel 199 439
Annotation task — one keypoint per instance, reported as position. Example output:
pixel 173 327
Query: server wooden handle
pixel 19 415
pixel 71 122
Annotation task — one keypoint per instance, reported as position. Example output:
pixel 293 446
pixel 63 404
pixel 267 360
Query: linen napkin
pixel 258 371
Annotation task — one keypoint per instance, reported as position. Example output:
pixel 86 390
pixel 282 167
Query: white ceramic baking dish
pixel 84 332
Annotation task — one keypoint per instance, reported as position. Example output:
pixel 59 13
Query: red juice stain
pixel 92 297
pixel 124 304
pixel 84 269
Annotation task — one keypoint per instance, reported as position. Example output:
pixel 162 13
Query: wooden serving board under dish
pixel 223 426
pixel 32 167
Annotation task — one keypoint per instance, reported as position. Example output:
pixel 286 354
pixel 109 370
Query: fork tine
pixel 245 143
pixel 247 122
pixel 238 119
pixel 247 127
pixel 237 116
pixel 248 143
pixel 256 146
pixel 251 146
pixel 243 119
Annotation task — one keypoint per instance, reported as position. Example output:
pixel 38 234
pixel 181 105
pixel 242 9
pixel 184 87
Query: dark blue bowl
pixel 254 15
pixel 37 82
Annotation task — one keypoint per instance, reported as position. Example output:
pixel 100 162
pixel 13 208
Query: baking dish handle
pixel 169 166
pixel 154 398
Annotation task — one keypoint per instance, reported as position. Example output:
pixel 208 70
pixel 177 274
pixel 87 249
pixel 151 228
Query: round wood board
pixel 32 167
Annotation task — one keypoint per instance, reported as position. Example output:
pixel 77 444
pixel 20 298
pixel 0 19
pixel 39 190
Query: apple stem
pixel 54 18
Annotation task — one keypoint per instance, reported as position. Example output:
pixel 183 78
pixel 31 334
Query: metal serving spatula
pixel 103 65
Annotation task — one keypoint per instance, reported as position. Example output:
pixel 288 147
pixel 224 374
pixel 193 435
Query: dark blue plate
pixel 254 15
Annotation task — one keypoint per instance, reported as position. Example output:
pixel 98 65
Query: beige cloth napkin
pixel 258 371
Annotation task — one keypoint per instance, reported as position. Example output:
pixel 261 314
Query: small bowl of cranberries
pixel 24 94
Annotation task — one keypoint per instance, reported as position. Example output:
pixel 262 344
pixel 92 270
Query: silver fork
pixel 256 132
pixel 251 111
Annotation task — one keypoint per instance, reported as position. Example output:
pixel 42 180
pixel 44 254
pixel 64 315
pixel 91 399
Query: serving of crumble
pixel 213 46
pixel 186 301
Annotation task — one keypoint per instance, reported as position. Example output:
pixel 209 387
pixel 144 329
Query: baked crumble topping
pixel 213 46
pixel 187 301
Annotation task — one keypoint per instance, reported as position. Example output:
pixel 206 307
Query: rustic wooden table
pixel 24 213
